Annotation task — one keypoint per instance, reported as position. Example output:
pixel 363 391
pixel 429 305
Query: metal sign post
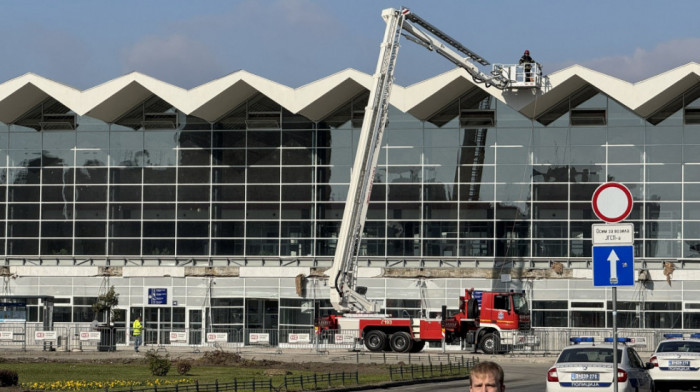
pixel 613 248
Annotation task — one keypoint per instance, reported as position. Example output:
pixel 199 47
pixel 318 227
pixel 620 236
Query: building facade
pixel 219 207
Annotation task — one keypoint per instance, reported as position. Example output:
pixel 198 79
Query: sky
pixel 83 43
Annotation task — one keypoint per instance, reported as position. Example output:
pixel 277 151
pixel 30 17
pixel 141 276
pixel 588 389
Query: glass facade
pixel 476 181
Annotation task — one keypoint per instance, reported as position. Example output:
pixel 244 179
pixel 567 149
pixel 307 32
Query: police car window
pixel 588 354
pixel 679 346
pixel 634 359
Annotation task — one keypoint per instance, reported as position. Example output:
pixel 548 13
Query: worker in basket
pixel 526 61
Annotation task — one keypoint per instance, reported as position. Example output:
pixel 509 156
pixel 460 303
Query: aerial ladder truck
pixel 355 311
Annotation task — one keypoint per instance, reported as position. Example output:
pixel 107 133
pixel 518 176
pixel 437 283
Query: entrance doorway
pixel 261 314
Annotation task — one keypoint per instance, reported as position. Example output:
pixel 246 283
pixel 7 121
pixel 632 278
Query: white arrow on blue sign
pixel 613 265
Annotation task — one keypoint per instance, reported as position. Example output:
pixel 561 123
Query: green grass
pixel 60 373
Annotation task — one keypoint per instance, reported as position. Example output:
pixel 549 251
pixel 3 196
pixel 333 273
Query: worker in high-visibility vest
pixel 136 330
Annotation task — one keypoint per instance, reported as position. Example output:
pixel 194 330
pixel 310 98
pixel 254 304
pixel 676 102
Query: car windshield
pixel 589 354
pixel 520 304
pixel 679 346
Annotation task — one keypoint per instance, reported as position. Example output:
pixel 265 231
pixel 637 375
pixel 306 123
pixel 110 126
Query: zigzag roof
pixel 316 100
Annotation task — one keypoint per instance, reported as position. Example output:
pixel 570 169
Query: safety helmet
pixel 527 52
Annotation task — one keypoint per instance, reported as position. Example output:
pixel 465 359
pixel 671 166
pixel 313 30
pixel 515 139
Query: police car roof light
pixel 583 339
pixel 695 336
pixel 621 340
pixel 673 335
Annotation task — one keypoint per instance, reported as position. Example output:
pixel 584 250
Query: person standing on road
pixel 486 377
pixel 137 329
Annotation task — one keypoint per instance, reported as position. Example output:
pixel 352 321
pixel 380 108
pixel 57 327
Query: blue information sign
pixel 157 296
pixel 613 265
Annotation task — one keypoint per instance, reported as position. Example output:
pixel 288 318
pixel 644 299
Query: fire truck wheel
pixel 418 346
pixel 375 340
pixel 490 343
pixel 401 342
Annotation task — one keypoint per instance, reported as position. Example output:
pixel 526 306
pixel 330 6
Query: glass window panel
pixel 542 192
pixel 264 175
pixel 24 176
pixel 625 154
pixel 90 211
pixel 336 192
pixel 405 174
pixel 118 193
pixel 91 158
pixel 227 229
pixel 691 192
pixel 57 246
pixel 190 139
pixel 92 140
pixel 125 229
pixel 262 247
pixel 467 173
pixel 665 192
pixel 297 174
pixel 158 175
pixel 57 193
pixel 229 211
pixel 513 211
pixel 664 135
pixel 297 210
pixel 124 247
pixel 125 211
pixel 193 175
pixel 626 173
pixel 445 155
pixel 551 155
pixel 404 192
pixel 90 229
pixel 337 156
pixel 438 192
pixel 24 193
pixel 193 247
pixel 191 229
pixel 440 210
pixel 23 211
pixel 336 174
pixel 663 210
pixel 512 192
pixel 259 156
pixel 263 193
pixel 228 175
pixel 410 210
pixel 263 211
pixel 125 176
pixel 159 211
pixel 588 155
pixel 25 158
pixel 662 248
pixel 550 210
pixel 57 211
pixel 193 193
pixel 23 229
pixel 477 155
pixel 330 210
pixel 513 155
pixel 404 155
pixel 91 175
pixel 159 193
pixel 229 157
pixel 194 157
pixel 228 193
pixel 472 211
pixel 193 211
pixel 158 247
pixel 662 230
pixel 297 192
pixel 296 157
pixel 582 136
pixel 664 154
pixel 664 173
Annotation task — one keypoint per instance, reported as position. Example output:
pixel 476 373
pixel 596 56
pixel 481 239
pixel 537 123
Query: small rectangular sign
pixel 343 339
pixel 178 337
pixel 6 335
pixel 89 336
pixel 613 234
pixel 157 296
pixel 217 337
pixel 45 335
pixel 259 338
pixel 299 338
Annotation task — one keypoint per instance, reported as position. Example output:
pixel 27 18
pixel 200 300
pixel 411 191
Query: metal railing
pixel 84 337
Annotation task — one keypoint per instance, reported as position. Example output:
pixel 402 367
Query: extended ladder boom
pixel 345 296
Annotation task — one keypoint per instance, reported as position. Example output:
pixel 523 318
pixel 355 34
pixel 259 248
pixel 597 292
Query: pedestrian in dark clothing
pixel 527 62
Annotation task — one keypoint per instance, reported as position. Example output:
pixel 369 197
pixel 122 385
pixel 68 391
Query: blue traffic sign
pixel 613 265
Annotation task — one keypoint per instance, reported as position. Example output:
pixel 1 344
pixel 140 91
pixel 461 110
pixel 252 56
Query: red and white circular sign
pixel 612 202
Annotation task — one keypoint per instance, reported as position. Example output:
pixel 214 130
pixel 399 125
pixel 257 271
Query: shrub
pixel 159 365
pixel 183 367
pixel 8 378
pixel 221 357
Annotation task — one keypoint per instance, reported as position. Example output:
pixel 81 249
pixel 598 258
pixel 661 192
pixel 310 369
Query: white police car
pixel 676 363
pixel 588 366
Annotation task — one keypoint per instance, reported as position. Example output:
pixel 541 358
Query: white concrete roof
pixel 316 100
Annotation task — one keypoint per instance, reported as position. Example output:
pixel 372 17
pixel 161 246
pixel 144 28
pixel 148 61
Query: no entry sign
pixel 612 202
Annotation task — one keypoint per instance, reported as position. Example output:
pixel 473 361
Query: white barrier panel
pixel 6 335
pixel 45 335
pixel 217 337
pixel 89 336
pixel 299 338
pixel 180 337
pixel 259 338
pixel 344 339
